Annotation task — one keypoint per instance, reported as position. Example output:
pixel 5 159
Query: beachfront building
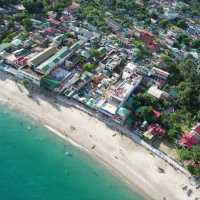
pixel 154 130
pixel 39 65
pixel 113 105
pixel 27 74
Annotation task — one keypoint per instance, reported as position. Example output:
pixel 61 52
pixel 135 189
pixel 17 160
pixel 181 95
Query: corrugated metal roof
pixel 52 61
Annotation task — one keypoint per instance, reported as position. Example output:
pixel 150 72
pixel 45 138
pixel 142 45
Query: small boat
pixel 68 154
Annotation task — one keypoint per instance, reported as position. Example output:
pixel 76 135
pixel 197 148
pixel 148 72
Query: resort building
pixel 28 74
pixel 42 56
pixel 53 61
pixel 111 106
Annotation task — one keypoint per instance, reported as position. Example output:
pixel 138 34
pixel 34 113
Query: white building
pixel 128 70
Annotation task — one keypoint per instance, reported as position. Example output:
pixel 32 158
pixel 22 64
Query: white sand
pixel 131 162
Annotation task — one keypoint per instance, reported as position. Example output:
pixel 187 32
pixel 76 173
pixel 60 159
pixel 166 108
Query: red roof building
pixel 188 140
pixel 54 21
pixel 156 129
pixel 146 37
pixel 149 41
pixel 21 60
pixel 50 30
pixel 157 113
pixel 153 47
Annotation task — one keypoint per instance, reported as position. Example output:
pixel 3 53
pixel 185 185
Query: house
pixel 153 47
pixel 156 113
pixel 114 26
pixel 3 28
pixel 3 11
pixel 188 140
pixel 156 92
pixel 36 23
pixel 21 60
pixel 122 115
pixel 154 130
pixel 170 15
pixel 113 62
pixel 159 73
pixel 109 107
pixel 146 37
pixel 193 30
pixel 49 31
pixel 16 42
pixel 4 46
pixel 52 14
pixel 54 22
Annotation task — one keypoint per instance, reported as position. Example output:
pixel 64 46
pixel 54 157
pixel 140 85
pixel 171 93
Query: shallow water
pixel 37 165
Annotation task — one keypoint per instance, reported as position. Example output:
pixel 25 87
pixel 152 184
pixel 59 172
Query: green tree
pixel 164 23
pixel 182 24
pixel 184 39
pixel 191 169
pixel 20 16
pixel 95 53
pixel 88 67
pixel 145 113
pixel 196 153
pixel 174 132
pixel 34 6
pixel 184 154
pixel 24 35
pixel 196 44
pixel 27 23
pixel 197 171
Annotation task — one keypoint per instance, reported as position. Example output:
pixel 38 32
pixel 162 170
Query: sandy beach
pixel 126 159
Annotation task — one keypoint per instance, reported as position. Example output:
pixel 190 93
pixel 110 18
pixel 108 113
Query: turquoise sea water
pixel 34 165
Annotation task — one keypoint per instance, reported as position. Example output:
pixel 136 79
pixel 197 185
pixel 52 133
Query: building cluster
pixel 100 70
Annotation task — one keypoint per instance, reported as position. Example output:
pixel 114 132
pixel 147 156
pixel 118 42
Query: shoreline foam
pixel 64 137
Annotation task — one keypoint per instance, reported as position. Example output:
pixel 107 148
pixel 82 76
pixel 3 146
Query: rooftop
pixel 188 140
pixel 53 61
